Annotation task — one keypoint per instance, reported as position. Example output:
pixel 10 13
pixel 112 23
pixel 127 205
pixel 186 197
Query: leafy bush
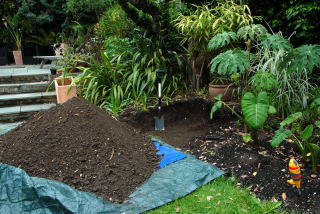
pixel 305 140
pixel 290 16
pixel 114 22
pixel 204 23
pixel 116 46
pixel 263 81
pixel 292 68
pixel 125 78
pixel 82 9
pixel 276 60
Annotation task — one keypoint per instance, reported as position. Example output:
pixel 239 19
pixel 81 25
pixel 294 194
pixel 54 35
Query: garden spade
pixel 159 119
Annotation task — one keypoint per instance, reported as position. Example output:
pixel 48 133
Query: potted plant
pixel 12 25
pixel 223 85
pixel 65 87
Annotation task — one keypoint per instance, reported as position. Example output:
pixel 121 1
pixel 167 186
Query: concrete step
pixel 18 88
pixel 28 77
pixel 27 98
pixel 6 127
pixel 16 113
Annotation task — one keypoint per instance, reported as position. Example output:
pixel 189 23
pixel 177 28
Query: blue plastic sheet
pixel 22 194
pixel 168 155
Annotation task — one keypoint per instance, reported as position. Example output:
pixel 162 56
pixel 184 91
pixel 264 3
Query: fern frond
pixel 230 62
pixel 221 40
pixel 252 32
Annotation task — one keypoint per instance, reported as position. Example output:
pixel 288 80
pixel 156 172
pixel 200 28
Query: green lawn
pixel 220 196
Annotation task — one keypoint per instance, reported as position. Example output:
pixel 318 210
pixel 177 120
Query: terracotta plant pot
pixel 17 57
pixel 64 91
pixel 226 90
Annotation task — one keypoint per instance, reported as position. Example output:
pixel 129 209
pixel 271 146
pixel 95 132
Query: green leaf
pixel 315 150
pixel 272 110
pixel 215 107
pixel 218 97
pixel 264 81
pixel 276 42
pixel 313 147
pixel 246 138
pixel 221 40
pixel 305 57
pixel 280 135
pixel 307 132
pixel 230 62
pixel 252 32
pixel 255 109
pixel 315 102
pixel 317 123
pixel 291 118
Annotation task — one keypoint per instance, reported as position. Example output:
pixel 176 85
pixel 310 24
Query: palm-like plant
pixel 11 23
pixel 206 22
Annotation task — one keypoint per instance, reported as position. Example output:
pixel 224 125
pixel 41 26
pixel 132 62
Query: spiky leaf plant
pixel 275 42
pixel 222 40
pixel 230 62
pixel 255 109
pixel 252 32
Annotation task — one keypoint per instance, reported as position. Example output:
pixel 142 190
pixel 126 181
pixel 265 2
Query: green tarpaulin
pixel 20 193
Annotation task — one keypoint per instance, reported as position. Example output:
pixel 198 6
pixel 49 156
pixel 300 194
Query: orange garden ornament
pixel 295 174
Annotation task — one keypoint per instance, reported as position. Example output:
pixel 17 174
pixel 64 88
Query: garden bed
pixel 79 144
pixel 264 170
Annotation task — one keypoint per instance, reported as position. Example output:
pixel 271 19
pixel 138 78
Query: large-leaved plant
pixel 255 110
pixel 306 140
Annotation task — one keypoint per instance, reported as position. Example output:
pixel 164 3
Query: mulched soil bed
pixel 81 145
pixel 264 170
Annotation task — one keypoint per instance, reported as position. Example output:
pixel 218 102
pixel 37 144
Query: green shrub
pixel 278 63
pixel 114 22
pixel 306 139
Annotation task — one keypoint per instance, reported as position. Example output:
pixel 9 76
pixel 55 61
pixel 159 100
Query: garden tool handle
pixel 159 76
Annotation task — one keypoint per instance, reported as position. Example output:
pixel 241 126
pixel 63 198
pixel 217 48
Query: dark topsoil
pixel 265 169
pixel 79 144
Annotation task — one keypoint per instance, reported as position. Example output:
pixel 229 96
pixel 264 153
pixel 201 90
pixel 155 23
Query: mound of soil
pixel 265 169
pixel 81 145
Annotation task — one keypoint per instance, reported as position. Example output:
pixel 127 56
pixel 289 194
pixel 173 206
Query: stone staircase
pixel 23 93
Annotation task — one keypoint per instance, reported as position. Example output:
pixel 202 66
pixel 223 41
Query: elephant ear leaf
pixel 255 109
pixel 280 135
